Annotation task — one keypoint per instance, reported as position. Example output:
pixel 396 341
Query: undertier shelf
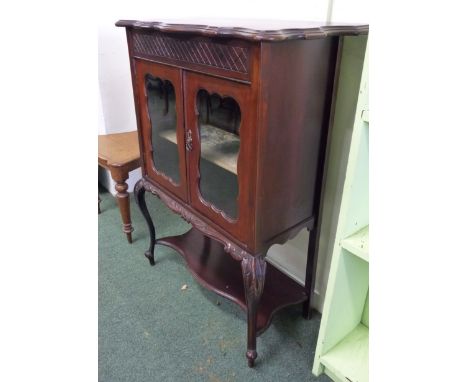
pixel 219 272
pixel 348 361
pixel 217 146
pixel 358 244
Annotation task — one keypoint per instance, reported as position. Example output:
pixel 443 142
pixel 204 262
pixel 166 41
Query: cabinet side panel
pixel 295 97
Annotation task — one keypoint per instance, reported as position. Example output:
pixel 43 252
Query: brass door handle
pixel 188 140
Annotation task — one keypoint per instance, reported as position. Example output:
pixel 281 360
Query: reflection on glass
pixel 162 111
pixel 219 123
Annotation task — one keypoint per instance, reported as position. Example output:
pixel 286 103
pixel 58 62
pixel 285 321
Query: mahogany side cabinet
pixel 233 121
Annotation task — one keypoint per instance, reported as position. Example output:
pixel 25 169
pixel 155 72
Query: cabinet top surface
pixel 250 29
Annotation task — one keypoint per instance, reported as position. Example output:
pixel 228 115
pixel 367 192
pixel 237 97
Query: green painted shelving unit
pixel 343 344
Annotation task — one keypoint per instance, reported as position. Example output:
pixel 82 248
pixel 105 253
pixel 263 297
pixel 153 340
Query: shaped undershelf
pixel 217 146
pixel 219 272
pixel 358 243
pixel 348 360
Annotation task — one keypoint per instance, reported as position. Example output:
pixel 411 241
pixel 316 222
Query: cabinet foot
pixel 251 356
pixel 139 192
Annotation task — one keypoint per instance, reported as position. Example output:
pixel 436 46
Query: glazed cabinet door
pixel 162 125
pixel 220 122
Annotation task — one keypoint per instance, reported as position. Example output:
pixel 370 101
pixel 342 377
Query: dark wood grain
pixel 245 96
pixel 253 273
pixel 173 75
pixel 139 192
pixel 210 266
pixel 254 30
pixel 293 115
pixel 315 229
pixel 137 101
pixel 209 228
pixel 228 58
pixel 283 83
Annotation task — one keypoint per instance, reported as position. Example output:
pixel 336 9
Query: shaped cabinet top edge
pixel 253 30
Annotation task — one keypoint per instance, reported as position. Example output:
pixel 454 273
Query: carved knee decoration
pixel 253 271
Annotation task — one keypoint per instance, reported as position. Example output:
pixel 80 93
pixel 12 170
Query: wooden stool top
pixel 118 150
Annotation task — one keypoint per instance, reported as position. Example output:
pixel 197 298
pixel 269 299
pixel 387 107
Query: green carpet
pixel 151 330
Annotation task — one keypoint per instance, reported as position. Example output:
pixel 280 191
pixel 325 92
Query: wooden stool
pixel 120 154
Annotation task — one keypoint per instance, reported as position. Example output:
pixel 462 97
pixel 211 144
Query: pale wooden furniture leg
pixel 119 153
pixel 120 176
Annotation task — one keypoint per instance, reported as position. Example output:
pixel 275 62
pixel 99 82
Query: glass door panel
pixel 219 126
pixel 220 118
pixel 162 125
pixel 161 103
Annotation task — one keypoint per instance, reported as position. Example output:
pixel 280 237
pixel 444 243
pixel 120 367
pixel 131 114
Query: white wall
pixel 117 112
pixel 355 11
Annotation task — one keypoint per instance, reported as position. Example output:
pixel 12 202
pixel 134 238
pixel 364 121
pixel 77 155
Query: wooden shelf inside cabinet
pixel 218 146
pixel 348 360
pixel 358 244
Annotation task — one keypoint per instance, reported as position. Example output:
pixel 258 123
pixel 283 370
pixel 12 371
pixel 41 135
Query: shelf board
pixel 219 272
pixel 348 361
pixel 358 243
pixel 169 134
pixel 365 115
pixel 220 147
pixel 217 146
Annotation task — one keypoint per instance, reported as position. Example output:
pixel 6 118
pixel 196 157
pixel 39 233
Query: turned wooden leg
pixel 139 192
pixel 253 271
pixel 123 201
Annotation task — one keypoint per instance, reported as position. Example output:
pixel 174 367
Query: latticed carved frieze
pixel 228 57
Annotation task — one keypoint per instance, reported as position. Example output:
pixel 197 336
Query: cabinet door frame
pixel 243 226
pixel 174 75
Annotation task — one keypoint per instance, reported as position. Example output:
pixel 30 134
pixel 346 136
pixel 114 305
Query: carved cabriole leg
pixel 253 271
pixel 120 176
pixel 139 192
